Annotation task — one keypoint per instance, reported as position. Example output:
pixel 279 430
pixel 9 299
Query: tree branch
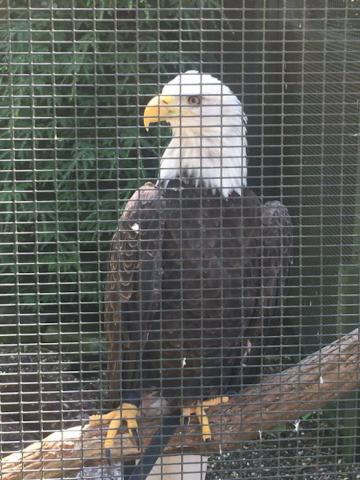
pixel 321 377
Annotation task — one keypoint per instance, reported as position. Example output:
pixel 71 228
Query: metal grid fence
pixel 75 79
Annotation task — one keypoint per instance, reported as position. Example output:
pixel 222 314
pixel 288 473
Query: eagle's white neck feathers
pixel 210 146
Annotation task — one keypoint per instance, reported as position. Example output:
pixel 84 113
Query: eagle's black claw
pixel 108 456
pixel 232 393
pixel 136 438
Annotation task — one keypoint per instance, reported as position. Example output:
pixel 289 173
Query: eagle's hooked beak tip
pixel 156 110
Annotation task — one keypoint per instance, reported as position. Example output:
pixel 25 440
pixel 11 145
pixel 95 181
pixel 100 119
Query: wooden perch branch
pixel 321 377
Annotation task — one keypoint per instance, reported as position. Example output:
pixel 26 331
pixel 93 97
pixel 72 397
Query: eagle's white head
pixel 209 132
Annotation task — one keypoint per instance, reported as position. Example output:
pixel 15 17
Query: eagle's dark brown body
pixel 192 275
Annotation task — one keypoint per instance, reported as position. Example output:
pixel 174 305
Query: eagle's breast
pixel 208 292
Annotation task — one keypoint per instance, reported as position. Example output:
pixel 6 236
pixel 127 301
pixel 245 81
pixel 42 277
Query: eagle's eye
pixel 194 100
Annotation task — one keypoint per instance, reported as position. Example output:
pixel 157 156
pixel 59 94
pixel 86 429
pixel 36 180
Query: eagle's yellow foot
pixel 200 411
pixel 125 413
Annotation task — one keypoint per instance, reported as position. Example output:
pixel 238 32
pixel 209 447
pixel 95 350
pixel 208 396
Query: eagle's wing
pixel 276 245
pixel 133 288
pixel 277 242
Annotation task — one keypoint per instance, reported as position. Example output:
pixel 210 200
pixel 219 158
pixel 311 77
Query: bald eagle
pixel 196 263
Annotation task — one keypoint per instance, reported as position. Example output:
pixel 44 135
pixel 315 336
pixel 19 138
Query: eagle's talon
pixel 108 456
pixel 136 438
pixel 126 413
pixel 200 411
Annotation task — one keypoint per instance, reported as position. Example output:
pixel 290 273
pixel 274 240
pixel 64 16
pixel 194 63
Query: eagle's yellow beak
pixel 160 108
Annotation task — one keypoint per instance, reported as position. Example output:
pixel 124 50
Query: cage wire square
pixel 167 240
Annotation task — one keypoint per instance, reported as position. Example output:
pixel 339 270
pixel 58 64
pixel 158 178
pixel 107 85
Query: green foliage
pixel 70 136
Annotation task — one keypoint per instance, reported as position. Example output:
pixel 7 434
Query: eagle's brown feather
pixel 191 276
pixel 134 247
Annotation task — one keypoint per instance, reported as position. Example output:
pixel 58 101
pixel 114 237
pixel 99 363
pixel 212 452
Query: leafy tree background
pixel 71 147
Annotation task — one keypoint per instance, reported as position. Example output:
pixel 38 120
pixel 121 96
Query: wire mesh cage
pixel 180 234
